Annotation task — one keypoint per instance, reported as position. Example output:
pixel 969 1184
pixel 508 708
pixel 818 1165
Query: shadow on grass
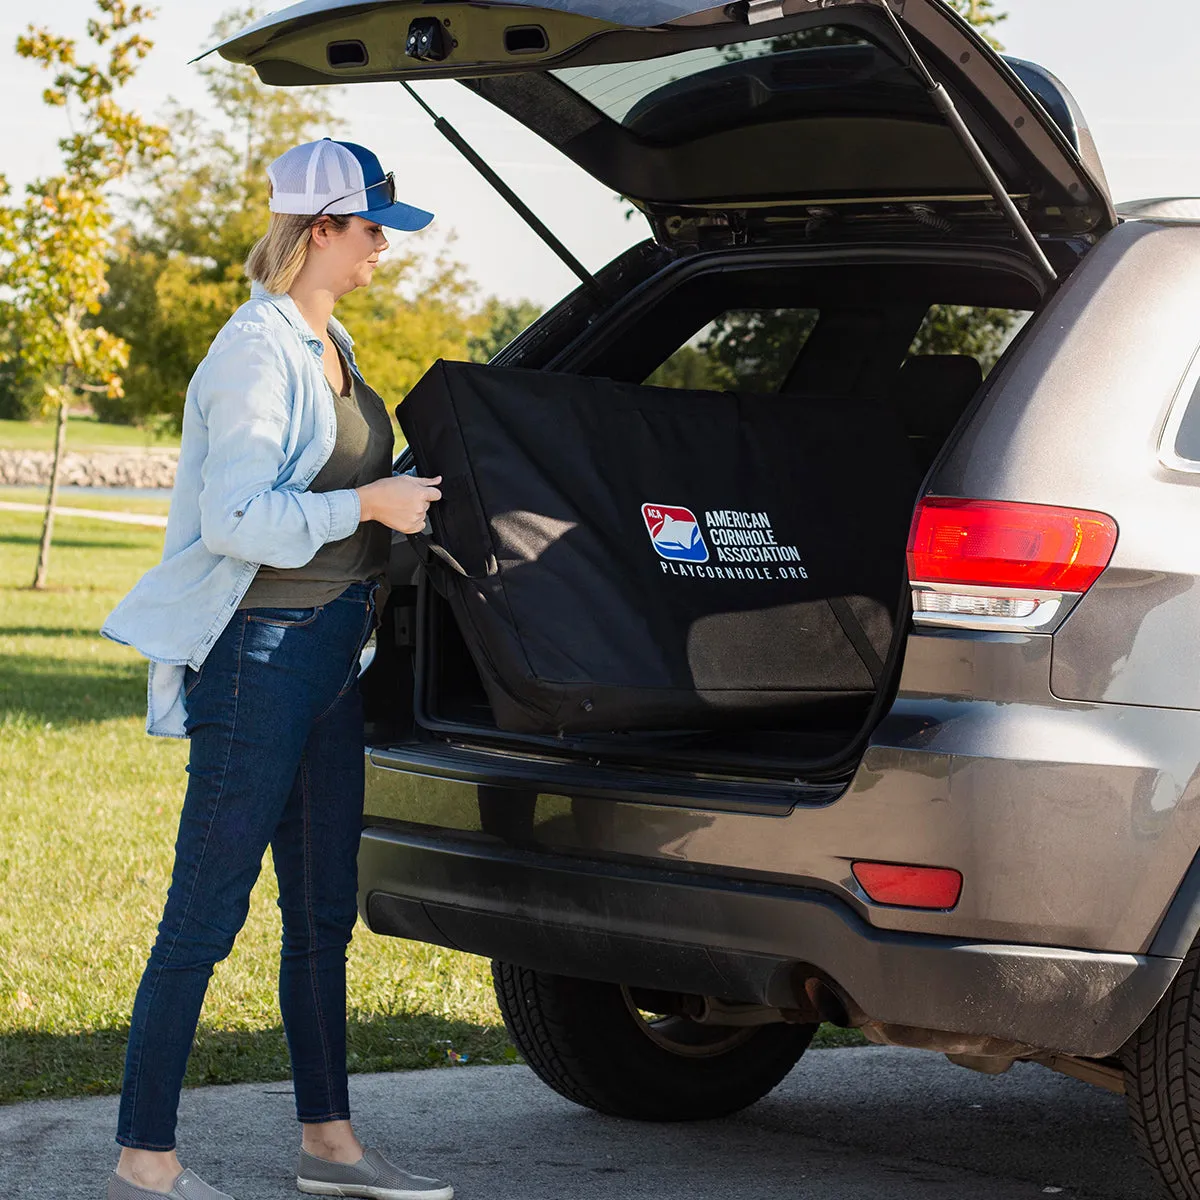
pixel 67 542
pixel 40 1066
pixel 37 1066
pixel 44 689
pixel 47 631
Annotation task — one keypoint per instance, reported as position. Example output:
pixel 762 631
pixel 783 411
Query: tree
pixel 980 332
pixel 502 321
pixel 982 14
pixel 752 350
pixel 176 271
pixel 176 267
pixel 53 246
pixel 416 311
pixel 21 396
pixel 689 368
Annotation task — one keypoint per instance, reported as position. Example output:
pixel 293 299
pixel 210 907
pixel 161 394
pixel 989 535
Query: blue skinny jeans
pixel 276 726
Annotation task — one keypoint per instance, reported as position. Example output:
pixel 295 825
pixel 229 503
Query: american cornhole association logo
pixel 675 533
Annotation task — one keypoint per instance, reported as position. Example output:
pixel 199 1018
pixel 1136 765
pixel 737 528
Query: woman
pixel 276 547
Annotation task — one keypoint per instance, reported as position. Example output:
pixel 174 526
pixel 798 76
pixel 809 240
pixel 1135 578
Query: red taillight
pixel 909 887
pixel 992 543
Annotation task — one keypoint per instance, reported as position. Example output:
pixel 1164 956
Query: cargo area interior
pixel 824 327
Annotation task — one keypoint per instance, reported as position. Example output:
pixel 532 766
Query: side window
pixel 1187 439
pixel 1181 440
pixel 981 333
pixel 953 351
pixel 754 349
pixel 744 349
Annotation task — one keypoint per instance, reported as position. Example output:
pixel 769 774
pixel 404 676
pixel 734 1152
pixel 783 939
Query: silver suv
pixel 995 857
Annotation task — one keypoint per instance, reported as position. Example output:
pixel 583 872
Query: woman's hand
pixel 400 502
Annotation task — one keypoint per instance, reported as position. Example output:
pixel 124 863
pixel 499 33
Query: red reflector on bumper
pixel 909 887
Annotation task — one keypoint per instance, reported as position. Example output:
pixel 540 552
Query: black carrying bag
pixel 621 557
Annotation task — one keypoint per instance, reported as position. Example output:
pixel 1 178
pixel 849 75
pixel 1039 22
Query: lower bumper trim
pixel 747 943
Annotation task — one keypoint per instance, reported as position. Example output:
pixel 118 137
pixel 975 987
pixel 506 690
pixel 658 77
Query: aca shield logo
pixel 675 533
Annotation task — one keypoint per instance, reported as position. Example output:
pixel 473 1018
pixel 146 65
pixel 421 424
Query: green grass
pixel 88 812
pixel 83 433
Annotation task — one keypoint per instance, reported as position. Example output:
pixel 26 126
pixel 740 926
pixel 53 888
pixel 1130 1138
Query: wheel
pixel 1162 1084
pixel 591 1044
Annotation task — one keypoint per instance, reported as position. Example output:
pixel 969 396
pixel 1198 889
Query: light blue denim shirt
pixel 258 424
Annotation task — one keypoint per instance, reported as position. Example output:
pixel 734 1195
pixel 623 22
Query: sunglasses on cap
pixel 388 181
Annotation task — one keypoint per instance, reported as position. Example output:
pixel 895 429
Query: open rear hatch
pixel 748 121
pixel 746 124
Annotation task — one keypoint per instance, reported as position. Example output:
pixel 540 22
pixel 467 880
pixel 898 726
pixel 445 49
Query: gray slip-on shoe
pixel 187 1186
pixel 372 1177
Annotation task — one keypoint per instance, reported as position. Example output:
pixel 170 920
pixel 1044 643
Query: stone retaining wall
pixel 126 469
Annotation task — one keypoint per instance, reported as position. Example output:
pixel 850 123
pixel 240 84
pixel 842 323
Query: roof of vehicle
pixel 1163 208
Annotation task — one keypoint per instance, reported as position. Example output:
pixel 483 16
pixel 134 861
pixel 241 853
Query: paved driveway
pixel 872 1124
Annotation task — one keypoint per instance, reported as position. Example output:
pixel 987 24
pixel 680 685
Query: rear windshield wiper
pixel 945 105
pixel 519 206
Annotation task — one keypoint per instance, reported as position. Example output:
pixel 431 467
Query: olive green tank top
pixel 361 454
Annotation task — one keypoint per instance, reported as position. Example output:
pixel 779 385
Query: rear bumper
pixel 750 942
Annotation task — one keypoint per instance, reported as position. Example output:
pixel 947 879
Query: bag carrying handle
pixel 429 553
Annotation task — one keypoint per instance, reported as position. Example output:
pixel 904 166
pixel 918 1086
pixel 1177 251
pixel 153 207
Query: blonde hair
pixel 280 254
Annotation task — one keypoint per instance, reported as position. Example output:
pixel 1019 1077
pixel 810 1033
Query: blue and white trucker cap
pixel 341 179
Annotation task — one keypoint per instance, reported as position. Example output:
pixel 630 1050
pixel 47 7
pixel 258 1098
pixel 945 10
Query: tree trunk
pixel 60 442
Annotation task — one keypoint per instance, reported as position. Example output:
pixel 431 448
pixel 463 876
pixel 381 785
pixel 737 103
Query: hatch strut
pixel 945 105
pixel 522 209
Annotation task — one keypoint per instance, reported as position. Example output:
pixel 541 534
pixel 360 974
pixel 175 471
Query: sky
pixel 1132 69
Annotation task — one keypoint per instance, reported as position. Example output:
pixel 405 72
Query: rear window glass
pixel 667 97
pixel 743 350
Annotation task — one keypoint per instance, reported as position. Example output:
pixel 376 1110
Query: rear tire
pixel 591 1045
pixel 1162 1085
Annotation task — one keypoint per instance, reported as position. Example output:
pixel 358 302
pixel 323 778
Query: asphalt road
pixel 862 1124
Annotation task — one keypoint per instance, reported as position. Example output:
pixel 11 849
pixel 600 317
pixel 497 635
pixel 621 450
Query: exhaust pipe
pixel 830 1004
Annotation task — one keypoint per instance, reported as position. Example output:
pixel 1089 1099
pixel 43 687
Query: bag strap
pixel 431 554
pixel 427 548
pixel 852 628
